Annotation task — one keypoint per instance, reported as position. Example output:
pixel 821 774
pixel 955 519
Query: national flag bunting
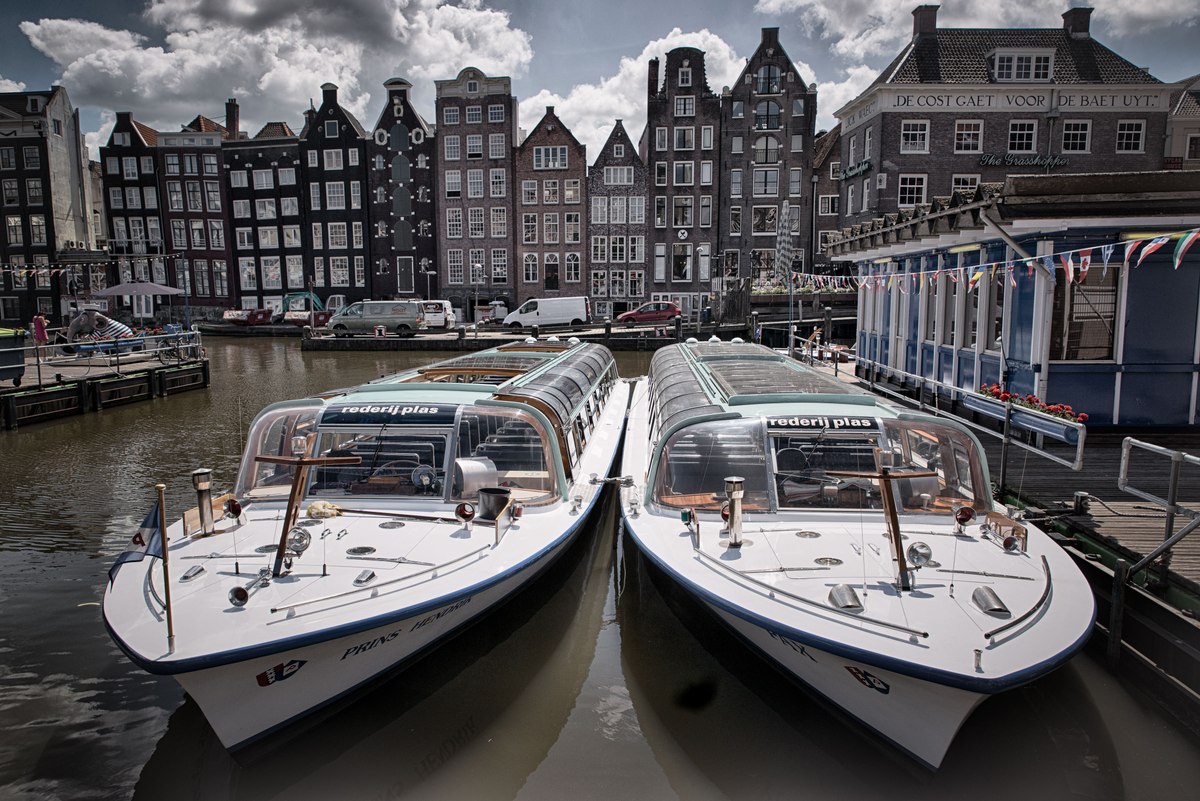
pixel 1106 252
pixel 1154 244
pixel 1068 263
pixel 1130 247
pixel 1184 243
pixel 1048 263
pixel 146 542
pixel 1085 261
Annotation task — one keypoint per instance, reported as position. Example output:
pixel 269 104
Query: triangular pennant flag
pixel 1130 247
pixel 1048 263
pixel 1029 266
pixel 1068 263
pixel 975 279
pixel 954 276
pixel 1012 276
pixel 1085 261
pixel 1155 243
pixel 1184 243
pixel 1106 252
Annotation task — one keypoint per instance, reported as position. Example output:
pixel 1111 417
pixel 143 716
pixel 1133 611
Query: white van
pixel 402 317
pixel 551 311
pixel 438 314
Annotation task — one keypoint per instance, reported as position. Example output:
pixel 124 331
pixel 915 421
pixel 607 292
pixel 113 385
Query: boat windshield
pixel 809 463
pixel 450 453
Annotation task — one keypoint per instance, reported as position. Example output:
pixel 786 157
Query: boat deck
pixel 1128 525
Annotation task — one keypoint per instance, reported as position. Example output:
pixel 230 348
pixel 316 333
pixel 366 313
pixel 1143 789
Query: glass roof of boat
pixel 754 377
pixel 564 385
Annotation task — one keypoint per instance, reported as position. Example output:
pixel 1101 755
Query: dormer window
pixel 1009 65
pixel 685 76
pixel 472 87
pixel 767 80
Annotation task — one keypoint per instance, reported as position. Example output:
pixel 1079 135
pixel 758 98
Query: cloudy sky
pixel 168 60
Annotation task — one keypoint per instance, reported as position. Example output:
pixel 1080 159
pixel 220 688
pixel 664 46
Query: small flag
pixel 1130 247
pixel 1085 261
pixel 1048 263
pixel 1012 276
pixel 1106 251
pixel 1155 243
pixel 975 276
pixel 1068 263
pixel 1029 266
pixel 146 542
pixel 1184 243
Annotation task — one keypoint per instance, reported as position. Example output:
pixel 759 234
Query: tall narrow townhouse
pixel 43 170
pixel 766 143
pixel 401 204
pixel 551 170
pixel 679 147
pixel 618 188
pixel 267 216
pixel 133 183
pixel 825 213
pixel 195 214
pixel 477 119
pixel 334 173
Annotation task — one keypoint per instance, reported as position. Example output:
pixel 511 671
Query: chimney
pixel 549 110
pixel 329 94
pixel 1077 22
pixel 232 117
pixel 770 37
pixel 924 20
pixel 652 82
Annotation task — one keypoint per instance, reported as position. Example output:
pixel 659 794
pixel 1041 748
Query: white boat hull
pixel 247 700
pixel 919 717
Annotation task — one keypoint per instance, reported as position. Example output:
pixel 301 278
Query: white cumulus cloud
pixel 11 86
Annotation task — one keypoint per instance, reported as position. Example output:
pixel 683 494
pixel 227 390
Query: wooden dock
pixel 62 386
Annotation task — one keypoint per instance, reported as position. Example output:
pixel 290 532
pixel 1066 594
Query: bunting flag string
pixel 1185 242
pixel 1075 263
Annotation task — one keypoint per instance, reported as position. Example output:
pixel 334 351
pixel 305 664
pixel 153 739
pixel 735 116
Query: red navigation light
pixel 964 514
pixel 465 512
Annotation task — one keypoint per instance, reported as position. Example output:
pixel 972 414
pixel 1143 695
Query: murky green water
pixel 591 685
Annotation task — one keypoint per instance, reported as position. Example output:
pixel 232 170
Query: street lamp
pixel 428 277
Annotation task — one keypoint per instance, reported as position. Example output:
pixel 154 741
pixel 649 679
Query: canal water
pixel 596 683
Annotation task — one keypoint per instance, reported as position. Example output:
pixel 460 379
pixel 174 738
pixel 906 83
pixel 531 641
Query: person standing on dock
pixel 40 337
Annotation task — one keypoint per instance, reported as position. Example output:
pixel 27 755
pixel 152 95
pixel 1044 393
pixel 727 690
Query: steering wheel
pixel 397 467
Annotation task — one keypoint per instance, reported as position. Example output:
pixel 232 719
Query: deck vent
pixel 266 549
pixel 828 561
pixel 843 596
pixel 364 578
pixel 808 535
pixel 360 550
pixel 392 524
pixel 988 601
pixel 192 573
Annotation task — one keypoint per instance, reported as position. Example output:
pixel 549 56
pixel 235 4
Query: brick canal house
pixel 402 172
pixel 46 203
pixel 824 211
pixel 267 215
pixel 683 121
pixel 961 107
pixel 477 118
pixel 334 169
pixel 550 169
pixel 766 141
pixel 617 189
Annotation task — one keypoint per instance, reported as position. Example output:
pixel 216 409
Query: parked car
pixel 656 311
pixel 403 317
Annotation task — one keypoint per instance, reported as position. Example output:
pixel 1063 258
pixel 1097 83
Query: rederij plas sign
pixel 1020 98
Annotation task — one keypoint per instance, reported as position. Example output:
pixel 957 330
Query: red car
pixel 654 312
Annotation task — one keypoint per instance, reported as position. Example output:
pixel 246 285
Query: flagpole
pixel 162 527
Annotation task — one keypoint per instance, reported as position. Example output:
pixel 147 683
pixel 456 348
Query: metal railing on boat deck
pixel 1123 573
pixel 1013 416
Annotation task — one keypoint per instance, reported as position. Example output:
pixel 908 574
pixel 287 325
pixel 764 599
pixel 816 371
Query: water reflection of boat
pixel 471 720
pixel 853 543
pixel 433 495
pixel 725 724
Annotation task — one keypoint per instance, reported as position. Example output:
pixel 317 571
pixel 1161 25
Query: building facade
pixel 477 130
pixel 618 189
pixel 550 171
pixel 267 216
pixel 44 189
pixel 765 165
pixel 1183 127
pixel 825 209
pixel 404 220
pixel 961 107
pixel 683 123
pixel 334 151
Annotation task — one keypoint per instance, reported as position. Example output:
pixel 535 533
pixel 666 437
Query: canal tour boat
pixel 853 543
pixel 367 525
